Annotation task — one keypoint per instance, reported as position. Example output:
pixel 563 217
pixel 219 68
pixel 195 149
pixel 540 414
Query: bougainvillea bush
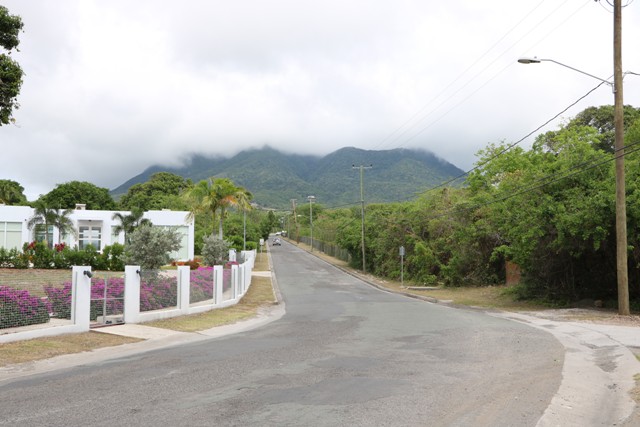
pixel 201 285
pixel 156 292
pixel 20 308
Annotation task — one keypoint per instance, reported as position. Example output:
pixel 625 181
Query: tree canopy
pixel 12 193
pixel 10 71
pixel 161 191
pixel 215 196
pixel 67 195
pixel 550 209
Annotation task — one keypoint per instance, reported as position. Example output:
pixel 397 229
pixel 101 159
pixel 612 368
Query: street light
pixel 311 200
pixel 618 123
pixel 535 60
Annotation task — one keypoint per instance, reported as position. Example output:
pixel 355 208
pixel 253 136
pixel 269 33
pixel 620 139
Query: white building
pixel 92 227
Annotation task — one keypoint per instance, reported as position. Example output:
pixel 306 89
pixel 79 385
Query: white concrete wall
pixel 22 214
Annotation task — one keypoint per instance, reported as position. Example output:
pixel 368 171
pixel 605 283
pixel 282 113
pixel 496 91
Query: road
pixel 344 353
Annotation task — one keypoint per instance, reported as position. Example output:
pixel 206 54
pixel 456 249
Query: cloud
pixel 114 87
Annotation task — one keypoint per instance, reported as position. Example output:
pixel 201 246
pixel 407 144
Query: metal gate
pixel 107 299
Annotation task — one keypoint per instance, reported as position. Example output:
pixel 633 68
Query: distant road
pixel 344 354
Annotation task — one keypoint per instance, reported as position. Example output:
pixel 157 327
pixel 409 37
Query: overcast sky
pixel 115 86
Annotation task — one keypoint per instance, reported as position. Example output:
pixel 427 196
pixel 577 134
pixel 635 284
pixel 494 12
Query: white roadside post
pixel 401 265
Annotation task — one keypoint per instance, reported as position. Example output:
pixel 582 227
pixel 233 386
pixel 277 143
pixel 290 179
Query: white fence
pixel 220 296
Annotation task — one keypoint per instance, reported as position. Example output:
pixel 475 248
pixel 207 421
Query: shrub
pixel 156 292
pixel 214 250
pixel 13 258
pixel 59 300
pixel 149 247
pixel 39 254
pixel 113 257
pixel 20 308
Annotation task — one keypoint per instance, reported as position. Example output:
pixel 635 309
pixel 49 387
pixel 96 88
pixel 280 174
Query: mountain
pixel 275 178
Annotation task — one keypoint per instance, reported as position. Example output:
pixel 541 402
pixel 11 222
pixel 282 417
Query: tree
pixel 149 247
pixel 161 191
pixel 129 223
pixel 45 217
pixel 10 71
pixel 11 193
pixel 601 119
pixel 215 196
pixel 67 195
pixel 214 250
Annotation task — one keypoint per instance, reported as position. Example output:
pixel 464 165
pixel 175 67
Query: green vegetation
pixel 275 178
pixel 161 191
pixel 214 197
pixel 12 193
pixel 149 247
pixel 10 71
pixel 550 210
pixel 67 195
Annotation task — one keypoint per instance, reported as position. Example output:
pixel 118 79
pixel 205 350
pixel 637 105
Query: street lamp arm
pixel 535 60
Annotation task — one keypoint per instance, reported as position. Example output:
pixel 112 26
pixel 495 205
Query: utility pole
pixel 311 200
pixel 295 220
pixel 621 206
pixel 362 168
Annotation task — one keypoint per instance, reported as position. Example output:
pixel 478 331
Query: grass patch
pixel 635 392
pixel 45 348
pixel 260 295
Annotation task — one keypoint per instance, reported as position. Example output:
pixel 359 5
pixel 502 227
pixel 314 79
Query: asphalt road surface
pixel 344 354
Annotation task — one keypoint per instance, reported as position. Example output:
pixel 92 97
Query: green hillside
pixel 275 178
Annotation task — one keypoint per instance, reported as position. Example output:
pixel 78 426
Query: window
pixel 44 234
pixel 11 235
pixel 115 237
pixel 89 235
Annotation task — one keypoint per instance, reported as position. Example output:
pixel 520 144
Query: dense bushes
pixel 549 209
pixel 38 255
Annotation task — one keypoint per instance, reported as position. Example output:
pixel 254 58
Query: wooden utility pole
pixel 362 168
pixel 621 206
pixel 295 220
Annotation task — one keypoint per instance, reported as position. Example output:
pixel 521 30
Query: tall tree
pixel 67 195
pixel 215 196
pixel 128 223
pixel 10 71
pixel 12 193
pixel 161 191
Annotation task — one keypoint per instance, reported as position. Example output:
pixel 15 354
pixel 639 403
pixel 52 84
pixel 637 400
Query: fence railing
pixel 136 298
pixel 328 248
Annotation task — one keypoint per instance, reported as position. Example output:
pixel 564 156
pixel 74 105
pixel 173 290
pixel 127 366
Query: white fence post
pixel 234 280
pixel 81 304
pixel 132 294
pixel 218 283
pixel 184 287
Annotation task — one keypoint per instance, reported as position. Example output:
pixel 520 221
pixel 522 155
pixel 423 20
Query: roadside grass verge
pixel 260 295
pixel 45 348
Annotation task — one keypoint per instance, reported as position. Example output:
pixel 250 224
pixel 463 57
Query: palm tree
pixel 215 196
pixel 128 223
pixel 44 216
pixel 63 223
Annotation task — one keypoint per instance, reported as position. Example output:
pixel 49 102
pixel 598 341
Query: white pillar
pixel 132 294
pixel 81 304
pixel 234 280
pixel 184 287
pixel 218 283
